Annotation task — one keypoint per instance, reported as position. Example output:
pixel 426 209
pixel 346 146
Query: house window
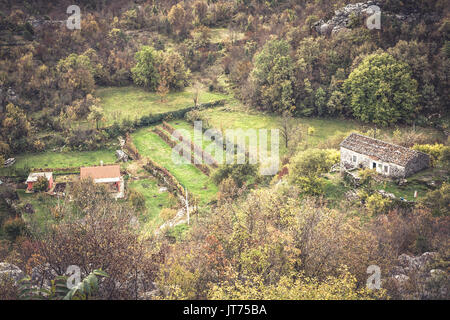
pixel 354 158
pixel 386 169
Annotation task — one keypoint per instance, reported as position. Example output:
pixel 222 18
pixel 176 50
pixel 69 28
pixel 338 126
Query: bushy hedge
pixel 177 114
pixel 435 151
pixel 131 148
pixel 165 177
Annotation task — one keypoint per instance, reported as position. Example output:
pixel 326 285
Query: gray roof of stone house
pixel 380 150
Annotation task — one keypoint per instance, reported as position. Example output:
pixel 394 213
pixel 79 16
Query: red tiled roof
pixel 100 172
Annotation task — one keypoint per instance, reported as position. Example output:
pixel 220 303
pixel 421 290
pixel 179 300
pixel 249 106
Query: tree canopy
pixel 381 90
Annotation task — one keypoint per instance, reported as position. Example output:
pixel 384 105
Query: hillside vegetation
pixel 116 90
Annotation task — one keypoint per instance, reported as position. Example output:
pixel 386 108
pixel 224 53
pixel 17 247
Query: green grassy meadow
pixel 133 102
pixel 154 200
pixel 42 204
pixel 231 117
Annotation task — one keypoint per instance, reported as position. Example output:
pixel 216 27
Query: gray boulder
pixel 121 156
pixel 10 271
pixel 414 278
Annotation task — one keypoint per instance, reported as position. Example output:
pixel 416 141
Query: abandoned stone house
pixel 358 151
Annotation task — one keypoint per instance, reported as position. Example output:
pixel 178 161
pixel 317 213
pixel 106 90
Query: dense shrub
pixel 14 228
pixel 377 204
pixel 240 173
pixel 41 184
pixel 436 151
pixel 312 162
pixel 137 200
pixel 439 200
pixel 167 214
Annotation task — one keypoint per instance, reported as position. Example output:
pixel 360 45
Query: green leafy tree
pixel 41 184
pixel 336 103
pixel 240 173
pixel 15 128
pixel 145 72
pixel 381 90
pixel 174 71
pixel 311 162
pixel 306 167
pixel 320 101
pixel 76 75
pixel 272 76
pixel 96 115
pixel 439 200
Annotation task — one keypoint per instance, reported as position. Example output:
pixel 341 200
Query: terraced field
pixel 152 146
pixel 186 127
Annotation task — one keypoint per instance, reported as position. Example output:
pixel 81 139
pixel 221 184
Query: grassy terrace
pixel 134 102
pixel 62 159
pixel 42 205
pixel 151 145
pixel 184 125
pixel 154 201
pixel 416 182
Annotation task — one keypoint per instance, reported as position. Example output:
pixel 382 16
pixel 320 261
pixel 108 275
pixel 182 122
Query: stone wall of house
pixel 420 162
pixel 363 161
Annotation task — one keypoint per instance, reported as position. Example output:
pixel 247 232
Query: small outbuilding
pixel 108 175
pixel 358 151
pixel 34 176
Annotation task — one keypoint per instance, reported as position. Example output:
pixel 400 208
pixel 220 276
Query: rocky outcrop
pixel 42 275
pixel 40 22
pixel 343 17
pixel 9 271
pixel 121 156
pixel 414 277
